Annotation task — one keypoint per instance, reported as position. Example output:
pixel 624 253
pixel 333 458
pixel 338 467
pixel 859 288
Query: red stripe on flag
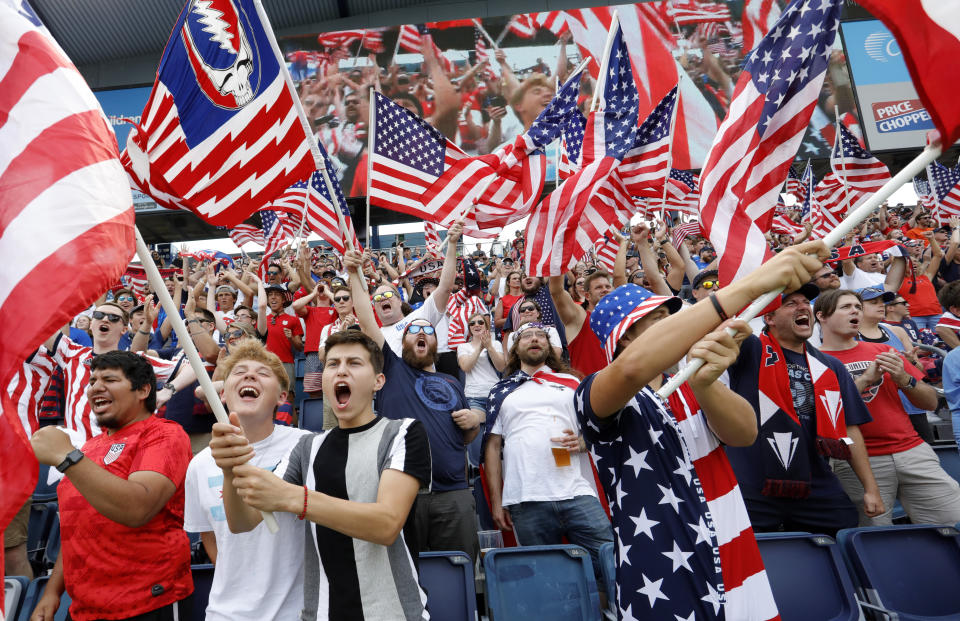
pixel 26 68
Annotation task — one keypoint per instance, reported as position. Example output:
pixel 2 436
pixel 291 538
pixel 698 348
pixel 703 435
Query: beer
pixel 561 456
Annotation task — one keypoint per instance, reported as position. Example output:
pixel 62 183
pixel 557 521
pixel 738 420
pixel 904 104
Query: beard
pixel 534 357
pixel 420 361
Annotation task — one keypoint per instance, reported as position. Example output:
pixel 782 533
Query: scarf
pixel 502 389
pixel 786 475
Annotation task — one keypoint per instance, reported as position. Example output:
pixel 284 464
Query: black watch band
pixel 912 383
pixel 72 458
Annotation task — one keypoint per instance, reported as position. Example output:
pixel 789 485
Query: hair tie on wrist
pixel 717 307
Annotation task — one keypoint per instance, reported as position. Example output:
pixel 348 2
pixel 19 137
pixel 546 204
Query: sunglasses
pixel 342 298
pixel 236 334
pixel 386 295
pixel 897 303
pixel 528 309
pixel 111 317
pixel 478 322
pixel 273 273
pixel 126 298
pixel 417 328
pixel 709 284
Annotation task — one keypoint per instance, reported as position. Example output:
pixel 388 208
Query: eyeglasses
pixel 351 102
pixel 342 298
pixel 478 322
pixel 204 320
pixel 528 309
pixel 417 328
pixel 898 303
pixel 126 298
pixel 709 284
pixel 386 295
pixel 111 317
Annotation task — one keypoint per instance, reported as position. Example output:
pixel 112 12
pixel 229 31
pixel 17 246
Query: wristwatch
pixel 72 458
pixel 911 384
pixel 171 388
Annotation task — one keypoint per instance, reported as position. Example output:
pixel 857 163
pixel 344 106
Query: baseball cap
pixel 226 288
pixel 872 293
pixel 808 290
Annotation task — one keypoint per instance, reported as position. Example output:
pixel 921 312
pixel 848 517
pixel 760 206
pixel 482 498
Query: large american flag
pixel 587 204
pixel 863 173
pixel 322 217
pixel 571 143
pixel 278 231
pixel 246 234
pixel 646 166
pixel 771 108
pixel 67 223
pixel 759 17
pixel 216 141
pixel 945 183
pixel 685 12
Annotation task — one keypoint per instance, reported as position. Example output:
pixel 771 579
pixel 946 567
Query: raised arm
pixel 362 308
pixel 648 260
pixel 441 295
pixel 571 313
pixel 896 273
pixel 620 262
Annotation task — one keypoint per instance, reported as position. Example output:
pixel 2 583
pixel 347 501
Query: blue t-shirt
pixel 80 337
pixel 747 461
pixel 951 380
pixel 429 398
pixel 656 505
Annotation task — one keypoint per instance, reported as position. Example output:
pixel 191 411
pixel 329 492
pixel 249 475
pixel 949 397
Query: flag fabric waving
pixel 683 193
pixel 605 251
pixel 571 143
pixel 771 108
pixel 278 231
pixel 945 184
pixel 67 229
pixel 928 33
pixel 859 170
pixel 921 188
pixel 587 204
pixel 524 26
pixel 683 231
pixel 794 185
pixel 322 217
pixel 685 12
pixel 759 17
pixel 219 135
pixel 246 234
pixel 829 205
pixel 432 239
pixel 784 225
pixel 646 166
pixel 805 196
pixel 413 38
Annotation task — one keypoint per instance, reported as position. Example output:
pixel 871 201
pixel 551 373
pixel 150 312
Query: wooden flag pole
pixel 858 215
pixel 189 349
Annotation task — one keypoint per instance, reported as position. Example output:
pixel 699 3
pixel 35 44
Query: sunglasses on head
pixel 342 298
pixel 417 328
pixel 111 317
pixel 386 295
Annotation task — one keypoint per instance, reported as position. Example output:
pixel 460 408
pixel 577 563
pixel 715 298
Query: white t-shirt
pixel 551 333
pixel 481 378
pixel 258 575
pixel 529 417
pixel 393 335
pixel 860 279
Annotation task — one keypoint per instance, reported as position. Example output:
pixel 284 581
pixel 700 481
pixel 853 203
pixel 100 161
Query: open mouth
pixel 341 393
pixel 802 320
pixel 249 393
pixel 104 328
pixel 855 323
pixel 421 346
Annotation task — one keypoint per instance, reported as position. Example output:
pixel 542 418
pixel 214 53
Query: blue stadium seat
pixel 52 550
pixel 911 571
pixel 43 492
pixel 311 414
pixel 800 564
pixel 608 569
pixel 447 577
pixel 541 582
pixel 949 459
pixel 38 531
pixel 202 581
pixel 299 367
pixel 14 592
pixel 33 595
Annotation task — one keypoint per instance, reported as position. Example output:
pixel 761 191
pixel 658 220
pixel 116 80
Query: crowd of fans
pixel 425 374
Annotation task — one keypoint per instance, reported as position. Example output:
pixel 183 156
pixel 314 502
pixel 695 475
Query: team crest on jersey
pixel 114 453
pixel 224 59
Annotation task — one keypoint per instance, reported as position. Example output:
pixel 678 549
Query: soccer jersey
pixel 277 341
pixel 74 360
pixel 318 317
pixel 347 578
pixel 112 571
pixel 27 386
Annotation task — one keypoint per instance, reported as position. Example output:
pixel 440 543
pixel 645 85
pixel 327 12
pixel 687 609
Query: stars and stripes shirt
pixel 27 387
pixel 74 360
pixel 684 545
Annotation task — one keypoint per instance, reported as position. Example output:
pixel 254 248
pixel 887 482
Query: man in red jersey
pixel 124 553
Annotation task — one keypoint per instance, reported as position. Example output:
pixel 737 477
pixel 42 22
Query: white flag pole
pixel 858 215
pixel 476 22
pixel 843 162
pixel 189 349
pixel 604 62
pixel 396 46
pixel 673 124
pixel 371 130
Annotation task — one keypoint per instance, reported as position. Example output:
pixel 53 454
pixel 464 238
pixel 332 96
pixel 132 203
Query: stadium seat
pixel 608 569
pixel 799 564
pixel 33 595
pixel 44 492
pixel 38 531
pixel 299 367
pixel 52 550
pixel 909 571
pixel 14 592
pixel 447 577
pixel 311 414
pixel 541 582
pixel 949 459
pixel 202 581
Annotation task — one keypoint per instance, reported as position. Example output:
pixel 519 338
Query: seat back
pixel 44 492
pixel 911 569
pixel 799 564
pixel 311 414
pixel 14 592
pixel 608 570
pixel 949 459
pixel 33 595
pixel 447 578
pixel 202 581
pixel 52 551
pixel 541 582
pixel 38 530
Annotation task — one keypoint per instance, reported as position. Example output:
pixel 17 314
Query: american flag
pixel 945 183
pixel 321 215
pixel 68 222
pixel 759 17
pixel 135 277
pixel 246 234
pixel 685 12
pixel 646 166
pixel 925 197
pixel 829 205
pixel 278 231
pixel 805 193
pixel 571 143
pixel 216 142
pixel 784 225
pixel 412 39
pixel 684 191
pixel 685 230
pixel 605 250
pixel 482 55
pixel 554 21
pixel 432 239
pixel 370 39
pixel 465 303
pixel 862 172
pixel 524 26
pixel 794 184
pixel 771 108
pixel 582 209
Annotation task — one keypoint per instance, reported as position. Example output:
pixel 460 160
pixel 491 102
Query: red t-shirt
pixel 317 318
pixel 277 341
pixel 891 430
pixel 923 301
pixel 111 570
pixel 586 350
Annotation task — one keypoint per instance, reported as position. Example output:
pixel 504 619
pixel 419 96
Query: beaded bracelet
pixel 303 514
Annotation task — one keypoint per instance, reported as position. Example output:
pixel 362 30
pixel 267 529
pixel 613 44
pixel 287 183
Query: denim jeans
pixel 581 520
pixel 473 449
pixel 928 322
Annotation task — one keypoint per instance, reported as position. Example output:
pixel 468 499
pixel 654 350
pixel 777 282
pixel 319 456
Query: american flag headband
pixel 530 325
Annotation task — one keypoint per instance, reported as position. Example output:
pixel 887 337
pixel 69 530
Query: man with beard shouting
pixel 444 517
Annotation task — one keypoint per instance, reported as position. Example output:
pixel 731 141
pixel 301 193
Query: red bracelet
pixel 303 514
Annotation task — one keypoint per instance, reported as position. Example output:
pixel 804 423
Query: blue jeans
pixel 473 449
pixel 926 322
pixel 581 520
